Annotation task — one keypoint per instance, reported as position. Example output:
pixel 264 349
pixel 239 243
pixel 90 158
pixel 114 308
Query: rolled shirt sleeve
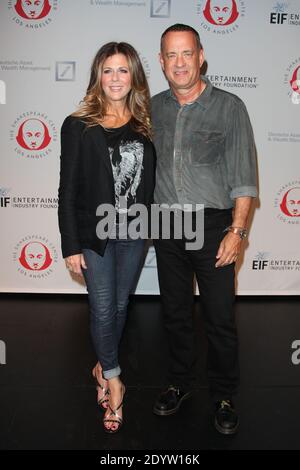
pixel 240 153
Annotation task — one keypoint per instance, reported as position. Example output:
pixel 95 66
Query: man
pixel 205 155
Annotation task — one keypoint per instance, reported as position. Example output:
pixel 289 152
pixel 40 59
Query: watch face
pixel 243 234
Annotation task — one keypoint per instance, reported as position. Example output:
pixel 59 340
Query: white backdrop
pixel 45 60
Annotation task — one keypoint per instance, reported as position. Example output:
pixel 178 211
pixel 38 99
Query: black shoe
pixel 169 401
pixel 226 418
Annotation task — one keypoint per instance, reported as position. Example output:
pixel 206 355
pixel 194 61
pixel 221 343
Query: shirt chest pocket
pixel 205 147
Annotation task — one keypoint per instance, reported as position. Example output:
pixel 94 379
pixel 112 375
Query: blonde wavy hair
pixel 93 107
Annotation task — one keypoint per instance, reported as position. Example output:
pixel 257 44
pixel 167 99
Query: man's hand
pixel 74 264
pixel 229 249
pixel 230 246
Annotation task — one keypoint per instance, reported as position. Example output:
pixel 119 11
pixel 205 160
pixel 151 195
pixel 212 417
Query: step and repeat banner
pixel 252 50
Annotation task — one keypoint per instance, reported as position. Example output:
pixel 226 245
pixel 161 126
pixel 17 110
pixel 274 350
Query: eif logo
pixel 296 354
pixel 278 16
pixel 2 92
pixel 2 352
pixel 4 199
pixel 260 262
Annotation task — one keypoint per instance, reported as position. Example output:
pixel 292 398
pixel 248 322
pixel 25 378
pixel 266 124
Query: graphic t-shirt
pixel 126 150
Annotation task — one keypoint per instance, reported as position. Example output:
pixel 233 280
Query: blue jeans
pixel 110 279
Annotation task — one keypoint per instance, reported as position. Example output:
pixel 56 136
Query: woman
pixel 107 158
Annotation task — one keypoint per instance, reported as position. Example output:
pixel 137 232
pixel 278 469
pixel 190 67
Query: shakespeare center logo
pixel 32 14
pixel 220 16
pixel 292 81
pixel 287 203
pixel 33 135
pixel 35 257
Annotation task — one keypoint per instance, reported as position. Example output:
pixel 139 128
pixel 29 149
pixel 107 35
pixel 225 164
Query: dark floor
pixel 48 399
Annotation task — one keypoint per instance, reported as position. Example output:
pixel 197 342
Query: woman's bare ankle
pixel 115 383
pixel 99 374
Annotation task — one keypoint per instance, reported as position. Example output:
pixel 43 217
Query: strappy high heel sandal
pixel 103 400
pixel 114 417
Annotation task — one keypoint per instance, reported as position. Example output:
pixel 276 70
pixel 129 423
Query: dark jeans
pixel 110 279
pixel 176 268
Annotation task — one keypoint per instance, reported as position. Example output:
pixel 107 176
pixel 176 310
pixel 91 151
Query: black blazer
pixel 86 180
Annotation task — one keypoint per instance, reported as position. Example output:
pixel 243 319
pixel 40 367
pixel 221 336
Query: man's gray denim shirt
pixel 205 149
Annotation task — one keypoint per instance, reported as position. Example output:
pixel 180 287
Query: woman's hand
pixel 74 264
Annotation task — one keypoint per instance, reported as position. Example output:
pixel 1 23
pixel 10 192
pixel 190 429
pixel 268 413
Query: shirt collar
pixel 203 99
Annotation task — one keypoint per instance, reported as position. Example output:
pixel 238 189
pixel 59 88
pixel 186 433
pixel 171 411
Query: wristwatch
pixel 242 232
